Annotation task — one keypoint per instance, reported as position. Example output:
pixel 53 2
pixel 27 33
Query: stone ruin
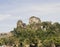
pixel 21 24
pixel 34 20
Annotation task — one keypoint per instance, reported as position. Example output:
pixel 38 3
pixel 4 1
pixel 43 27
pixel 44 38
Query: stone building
pixel 34 20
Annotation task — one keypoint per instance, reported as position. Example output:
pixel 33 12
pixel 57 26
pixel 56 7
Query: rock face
pixel 34 20
pixel 21 24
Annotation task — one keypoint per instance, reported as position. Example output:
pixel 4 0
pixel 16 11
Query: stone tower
pixel 34 20
pixel 21 24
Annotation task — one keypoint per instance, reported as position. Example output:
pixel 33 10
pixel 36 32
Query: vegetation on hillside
pixel 45 33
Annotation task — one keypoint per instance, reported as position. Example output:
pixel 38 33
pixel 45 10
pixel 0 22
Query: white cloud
pixel 34 9
pixel 46 8
pixel 42 9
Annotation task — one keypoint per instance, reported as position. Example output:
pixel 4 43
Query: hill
pixel 36 33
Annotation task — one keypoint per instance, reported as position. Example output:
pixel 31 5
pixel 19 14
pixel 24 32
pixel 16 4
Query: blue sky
pixel 13 10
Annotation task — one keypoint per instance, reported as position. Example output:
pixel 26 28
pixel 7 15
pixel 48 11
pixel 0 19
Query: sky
pixel 13 10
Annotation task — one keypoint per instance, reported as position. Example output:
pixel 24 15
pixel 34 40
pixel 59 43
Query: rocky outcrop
pixel 34 20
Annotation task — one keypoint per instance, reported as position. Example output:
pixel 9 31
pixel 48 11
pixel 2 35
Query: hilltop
pixel 36 33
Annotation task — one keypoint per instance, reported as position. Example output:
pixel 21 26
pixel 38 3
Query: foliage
pixel 29 35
